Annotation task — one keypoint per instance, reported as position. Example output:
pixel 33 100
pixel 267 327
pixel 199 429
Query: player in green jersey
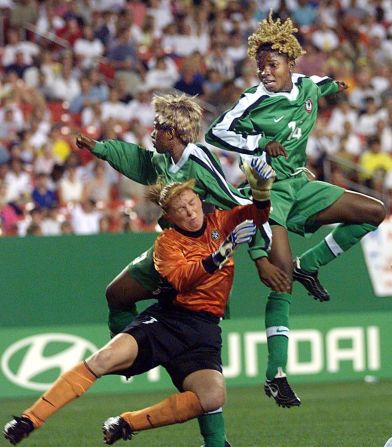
pixel 274 120
pixel 177 158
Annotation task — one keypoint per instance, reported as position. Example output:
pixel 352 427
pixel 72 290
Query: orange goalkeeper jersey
pixel 178 257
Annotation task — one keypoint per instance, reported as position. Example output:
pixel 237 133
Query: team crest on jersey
pixel 215 235
pixel 308 105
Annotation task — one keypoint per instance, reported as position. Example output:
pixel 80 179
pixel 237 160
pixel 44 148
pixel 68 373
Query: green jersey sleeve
pixel 327 86
pixel 235 130
pixel 129 159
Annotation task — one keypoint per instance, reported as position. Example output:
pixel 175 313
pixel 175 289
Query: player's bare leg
pixel 358 215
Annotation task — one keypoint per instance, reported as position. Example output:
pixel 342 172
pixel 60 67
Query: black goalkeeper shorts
pixel 180 340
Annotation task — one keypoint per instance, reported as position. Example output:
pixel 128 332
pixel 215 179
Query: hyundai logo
pixel 27 359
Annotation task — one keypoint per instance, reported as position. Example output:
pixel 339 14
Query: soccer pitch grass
pixel 353 414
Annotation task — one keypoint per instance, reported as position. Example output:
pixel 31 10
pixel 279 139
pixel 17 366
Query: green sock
pixel 212 428
pixel 277 329
pixel 119 318
pixel 341 239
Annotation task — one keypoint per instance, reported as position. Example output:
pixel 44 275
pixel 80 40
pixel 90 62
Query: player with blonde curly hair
pixel 274 120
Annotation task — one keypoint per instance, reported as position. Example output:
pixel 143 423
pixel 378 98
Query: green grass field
pixel 332 415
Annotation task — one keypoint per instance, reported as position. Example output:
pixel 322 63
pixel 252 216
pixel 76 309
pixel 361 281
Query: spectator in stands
pixel 18 181
pixel 367 122
pixel 217 59
pixel 9 127
pixel 88 48
pixel 113 108
pixel 122 55
pixel 140 108
pixel 384 131
pixel 324 38
pixel 70 186
pixel 51 225
pixel 30 225
pixel 42 195
pixel 66 228
pixel 304 14
pixel 85 98
pixel 65 87
pixel 342 113
pixel 85 217
pixel 45 160
pixel 162 75
pixel 48 19
pixel 71 31
pixel 97 189
pixel 30 50
pixel 189 82
pixel 19 66
pixel 374 162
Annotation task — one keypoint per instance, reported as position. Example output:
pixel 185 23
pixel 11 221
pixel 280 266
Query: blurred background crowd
pixel 93 66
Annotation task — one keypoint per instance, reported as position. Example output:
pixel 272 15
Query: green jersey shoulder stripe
pixel 199 156
pixel 211 157
pixel 222 132
pixel 318 80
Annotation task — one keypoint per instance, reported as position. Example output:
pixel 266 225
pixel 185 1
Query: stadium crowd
pixel 93 66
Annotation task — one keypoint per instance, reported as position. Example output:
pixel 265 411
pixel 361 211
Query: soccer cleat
pixel 281 391
pixel 18 428
pixel 116 428
pixel 310 281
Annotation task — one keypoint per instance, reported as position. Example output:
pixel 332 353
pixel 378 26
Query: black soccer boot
pixel 310 281
pixel 116 428
pixel 281 391
pixel 17 429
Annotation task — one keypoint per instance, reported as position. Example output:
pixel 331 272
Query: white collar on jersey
pixel 175 167
pixel 292 95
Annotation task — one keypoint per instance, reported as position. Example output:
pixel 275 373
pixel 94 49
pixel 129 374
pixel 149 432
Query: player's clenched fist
pixel 85 142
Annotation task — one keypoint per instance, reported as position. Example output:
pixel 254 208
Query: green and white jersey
pixel 196 162
pixel 261 116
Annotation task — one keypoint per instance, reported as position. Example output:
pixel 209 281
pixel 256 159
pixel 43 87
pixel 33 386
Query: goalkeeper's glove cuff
pixel 211 263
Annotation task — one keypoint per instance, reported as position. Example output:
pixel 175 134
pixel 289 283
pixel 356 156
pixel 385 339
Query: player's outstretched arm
pixel 85 142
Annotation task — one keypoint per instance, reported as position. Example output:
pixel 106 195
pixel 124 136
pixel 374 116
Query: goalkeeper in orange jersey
pixel 195 257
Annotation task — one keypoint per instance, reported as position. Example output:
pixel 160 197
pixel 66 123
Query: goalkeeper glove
pixel 241 234
pixel 260 176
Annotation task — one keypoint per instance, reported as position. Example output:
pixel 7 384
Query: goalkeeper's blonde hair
pixel 180 113
pixel 276 34
pixel 163 193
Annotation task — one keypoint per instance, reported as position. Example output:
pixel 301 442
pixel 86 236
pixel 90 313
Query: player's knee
pixel 212 400
pixel 102 361
pixel 379 213
pixel 111 294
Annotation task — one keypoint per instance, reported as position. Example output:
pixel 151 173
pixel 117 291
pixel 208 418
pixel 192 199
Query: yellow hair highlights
pixel 181 113
pixel 279 35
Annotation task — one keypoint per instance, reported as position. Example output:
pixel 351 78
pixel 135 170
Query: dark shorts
pixel 180 340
